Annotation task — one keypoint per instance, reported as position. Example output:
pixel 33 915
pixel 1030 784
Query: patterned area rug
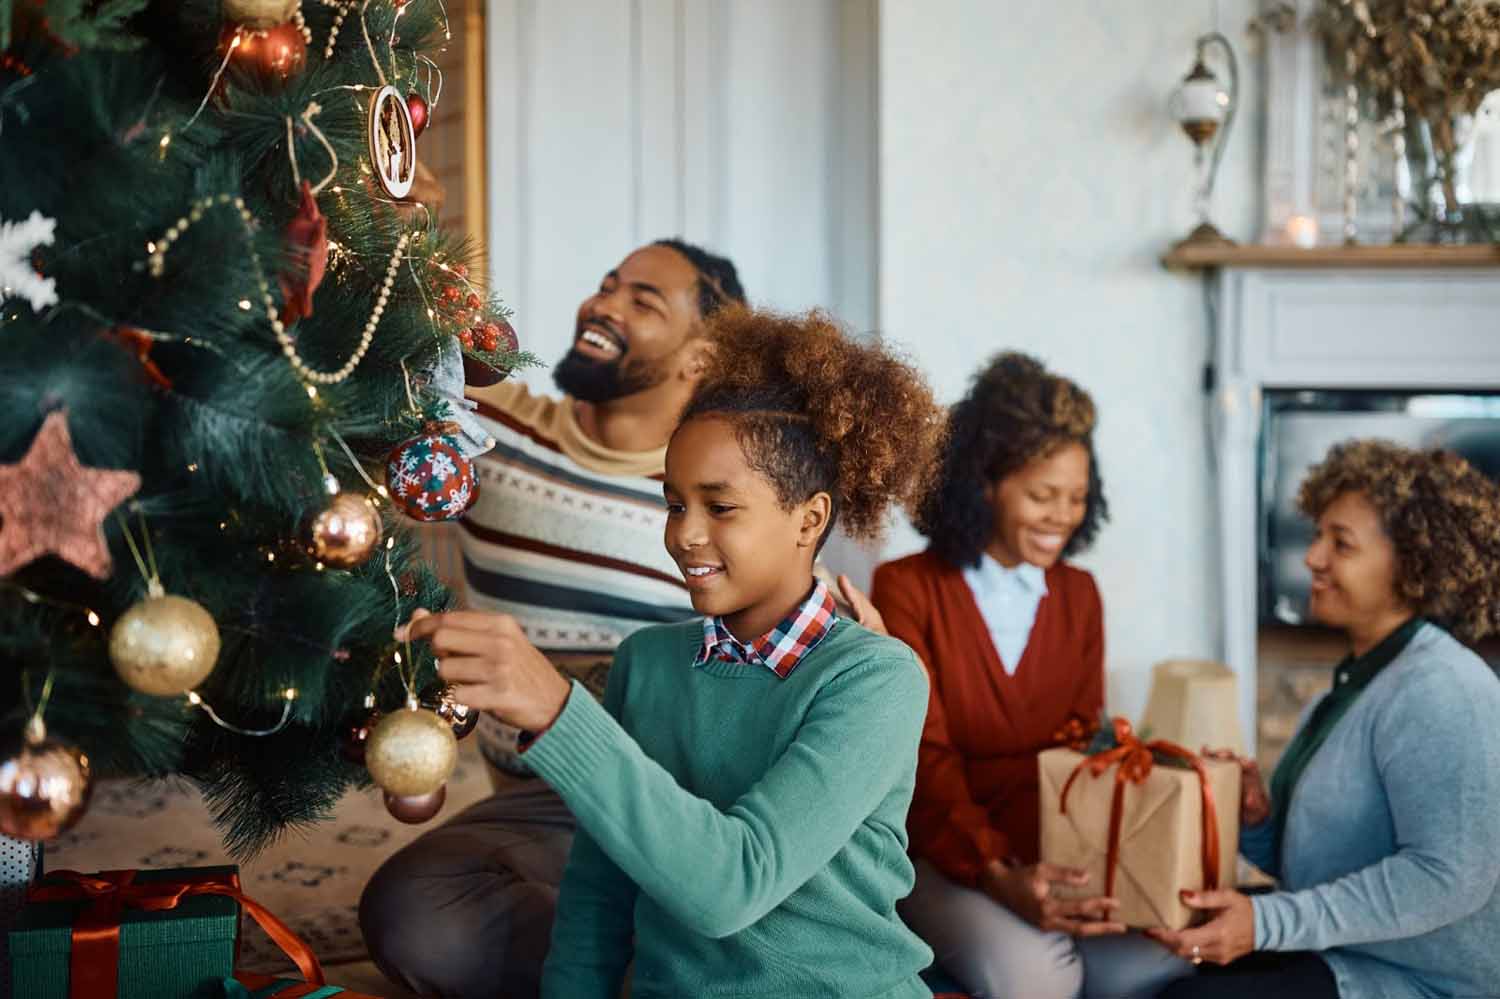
pixel 311 880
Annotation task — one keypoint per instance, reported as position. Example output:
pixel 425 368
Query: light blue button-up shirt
pixel 1007 599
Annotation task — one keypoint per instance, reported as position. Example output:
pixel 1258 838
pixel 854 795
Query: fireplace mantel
pixel 1201 257
pixel 1330 318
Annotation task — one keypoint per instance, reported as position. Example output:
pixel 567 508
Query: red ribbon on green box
pixel 249 985
pixel 94 960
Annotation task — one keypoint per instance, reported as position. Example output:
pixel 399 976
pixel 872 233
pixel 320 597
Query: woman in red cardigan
pixel 1013 641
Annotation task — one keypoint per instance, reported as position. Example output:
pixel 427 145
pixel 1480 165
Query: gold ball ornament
pixel 164 645
pixel 44 787
pixel 411 753
pixel 345 533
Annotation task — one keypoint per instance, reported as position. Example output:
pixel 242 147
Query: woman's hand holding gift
pixel 1028 892
pixel 1255 801
pixel 1230 934
pixel 491 666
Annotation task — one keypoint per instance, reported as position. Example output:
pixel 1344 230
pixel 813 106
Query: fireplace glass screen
pixel 1298 428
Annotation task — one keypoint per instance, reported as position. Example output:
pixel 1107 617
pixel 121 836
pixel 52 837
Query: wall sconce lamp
pixel 1205 111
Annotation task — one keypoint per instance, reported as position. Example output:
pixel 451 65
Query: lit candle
pixel 1302 230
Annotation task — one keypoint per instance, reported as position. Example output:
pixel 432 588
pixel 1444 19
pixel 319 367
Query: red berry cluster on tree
pixel 464 308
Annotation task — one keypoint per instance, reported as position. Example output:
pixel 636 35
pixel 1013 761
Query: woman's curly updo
pixel 1441 514
pixel 1015 412
pixel 816 410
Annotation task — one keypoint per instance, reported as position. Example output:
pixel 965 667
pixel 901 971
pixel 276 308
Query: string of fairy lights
pixel 166 645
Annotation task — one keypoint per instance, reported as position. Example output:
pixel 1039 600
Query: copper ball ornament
pixel 344 534
pixel 416 808
pixel 461 717
pixel 164 645
pixel 416 105
pixel 272 55
pixel 411 752
pixel 439 698
pixel 44 788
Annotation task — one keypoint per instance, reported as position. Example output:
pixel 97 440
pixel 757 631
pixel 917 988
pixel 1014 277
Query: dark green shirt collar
pixel 1355 672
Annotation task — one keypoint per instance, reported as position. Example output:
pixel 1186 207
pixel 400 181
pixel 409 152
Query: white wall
pixel 744 125
pixel 1029 179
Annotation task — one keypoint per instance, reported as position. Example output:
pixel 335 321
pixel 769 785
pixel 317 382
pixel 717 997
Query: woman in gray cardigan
pixel 1382 821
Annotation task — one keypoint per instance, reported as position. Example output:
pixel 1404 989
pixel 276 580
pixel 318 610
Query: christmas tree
pixel 234 346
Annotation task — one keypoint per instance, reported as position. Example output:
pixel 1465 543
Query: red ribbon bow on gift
pixel 1136 758
pixel 94 964
pixel 1076 733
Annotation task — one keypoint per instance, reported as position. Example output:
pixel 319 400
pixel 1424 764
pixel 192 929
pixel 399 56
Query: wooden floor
pixel 366 978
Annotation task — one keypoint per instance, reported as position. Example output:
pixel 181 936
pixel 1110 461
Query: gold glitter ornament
pixel 412 752
pixel 164 645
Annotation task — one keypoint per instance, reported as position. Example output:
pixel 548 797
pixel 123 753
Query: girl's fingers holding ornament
pixel 449 640
pixel 471 670
pixel 493 624
pixel 478 696
pixel 404 630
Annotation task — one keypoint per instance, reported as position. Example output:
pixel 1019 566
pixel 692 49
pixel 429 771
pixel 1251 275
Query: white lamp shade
pixel 1200 98
pixel 1194 703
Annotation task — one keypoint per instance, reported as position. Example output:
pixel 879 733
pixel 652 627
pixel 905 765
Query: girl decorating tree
pixel 742 793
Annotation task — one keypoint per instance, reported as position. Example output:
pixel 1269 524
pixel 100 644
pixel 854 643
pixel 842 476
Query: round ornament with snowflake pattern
pixel 429 478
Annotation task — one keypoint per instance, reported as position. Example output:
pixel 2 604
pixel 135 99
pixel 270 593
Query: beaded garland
pixel 157 263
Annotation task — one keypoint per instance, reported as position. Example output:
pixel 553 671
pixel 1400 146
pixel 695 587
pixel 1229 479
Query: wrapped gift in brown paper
pixel 1143 829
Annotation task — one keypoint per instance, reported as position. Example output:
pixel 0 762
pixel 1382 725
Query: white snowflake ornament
pixel 17 279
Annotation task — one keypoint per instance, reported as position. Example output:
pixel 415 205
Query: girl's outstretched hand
pixel 491 666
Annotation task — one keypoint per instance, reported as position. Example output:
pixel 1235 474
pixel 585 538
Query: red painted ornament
pixel 429 479
pixel 416 105
pixel 493 337
pixel 509 342
pixel 416 808
pixel 479 373
pixel 271 56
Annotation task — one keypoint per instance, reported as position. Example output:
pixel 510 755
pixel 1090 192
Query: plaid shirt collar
pixel 784 646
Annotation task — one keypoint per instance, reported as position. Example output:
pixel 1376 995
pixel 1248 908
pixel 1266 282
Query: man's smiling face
pixel 631 330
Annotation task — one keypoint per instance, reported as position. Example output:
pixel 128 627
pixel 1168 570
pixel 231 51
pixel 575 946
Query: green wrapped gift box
pixel 184 951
